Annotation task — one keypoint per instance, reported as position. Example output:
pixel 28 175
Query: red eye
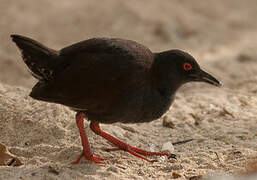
pixel 187 66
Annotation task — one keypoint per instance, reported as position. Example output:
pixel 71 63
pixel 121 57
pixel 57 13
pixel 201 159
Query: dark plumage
pixel 109 80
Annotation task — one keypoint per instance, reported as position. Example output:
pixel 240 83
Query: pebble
pixel 167 122
pixel 168 146
pixel 152 147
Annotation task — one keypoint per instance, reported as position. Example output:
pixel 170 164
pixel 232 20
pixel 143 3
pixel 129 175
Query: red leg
pixel 132 150
pixel 118 149
pixel 87 153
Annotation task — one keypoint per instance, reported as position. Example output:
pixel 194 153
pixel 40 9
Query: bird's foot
pixel 140 151
pixel 124 146
pixel 91 157
pixel 147 153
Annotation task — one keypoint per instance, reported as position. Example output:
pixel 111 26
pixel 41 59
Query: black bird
pixel 109 80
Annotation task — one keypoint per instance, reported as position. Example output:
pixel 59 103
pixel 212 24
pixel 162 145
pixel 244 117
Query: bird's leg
pixel 132 150
pixel 87 153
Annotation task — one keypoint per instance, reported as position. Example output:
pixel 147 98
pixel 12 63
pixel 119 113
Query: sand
pixel 221 121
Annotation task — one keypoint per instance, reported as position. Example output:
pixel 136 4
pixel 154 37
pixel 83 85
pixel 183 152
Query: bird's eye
pixel 187 66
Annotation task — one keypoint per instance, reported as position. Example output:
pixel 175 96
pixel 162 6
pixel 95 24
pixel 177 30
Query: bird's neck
pixel 162 81
pixel 165 88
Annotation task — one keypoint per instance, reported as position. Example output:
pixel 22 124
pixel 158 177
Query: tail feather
pixel 38 58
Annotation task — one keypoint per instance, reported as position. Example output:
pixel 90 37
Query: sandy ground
pixel 221 121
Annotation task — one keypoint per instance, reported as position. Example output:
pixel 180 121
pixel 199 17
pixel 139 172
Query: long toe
pixel 138 155
pixel 148 153
pixel 96 159
pixel 118 148
pixel 92 158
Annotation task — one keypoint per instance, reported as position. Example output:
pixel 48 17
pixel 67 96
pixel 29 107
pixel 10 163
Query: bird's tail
pixel 38 58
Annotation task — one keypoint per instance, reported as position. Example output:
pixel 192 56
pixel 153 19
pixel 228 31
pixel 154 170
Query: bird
pixel 109 80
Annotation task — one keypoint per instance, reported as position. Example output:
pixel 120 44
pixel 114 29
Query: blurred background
pixel 220 35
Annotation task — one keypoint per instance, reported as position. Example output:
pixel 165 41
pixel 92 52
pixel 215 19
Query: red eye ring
pixel 187 66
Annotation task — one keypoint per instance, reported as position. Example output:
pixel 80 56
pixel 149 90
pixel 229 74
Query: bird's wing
pixel 95 77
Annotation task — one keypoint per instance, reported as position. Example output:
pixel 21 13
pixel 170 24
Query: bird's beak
pixel 203 76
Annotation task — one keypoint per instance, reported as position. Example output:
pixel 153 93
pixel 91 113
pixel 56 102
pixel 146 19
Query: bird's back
pixel 97 72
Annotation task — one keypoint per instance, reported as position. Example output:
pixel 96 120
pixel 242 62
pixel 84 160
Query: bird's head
pixel 180 67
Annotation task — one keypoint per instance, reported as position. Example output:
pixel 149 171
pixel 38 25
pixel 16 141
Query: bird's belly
pixel 124 113
pixel 135 107
pixel 108 118
pixel 127 109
